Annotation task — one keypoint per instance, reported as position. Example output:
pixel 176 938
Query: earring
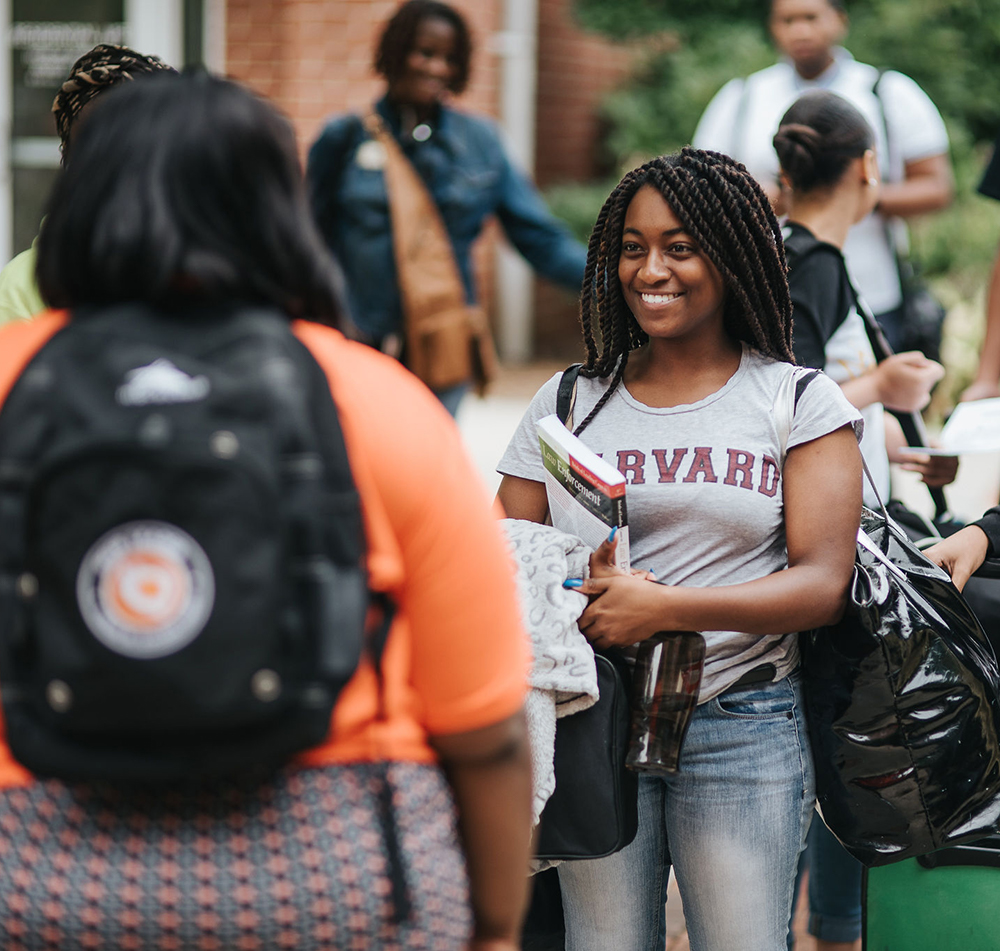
pixel 873 181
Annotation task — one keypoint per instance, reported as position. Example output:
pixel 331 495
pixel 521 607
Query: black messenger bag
pixel 594 809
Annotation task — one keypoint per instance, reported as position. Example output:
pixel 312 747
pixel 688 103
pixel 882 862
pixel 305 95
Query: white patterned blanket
pixel 563 673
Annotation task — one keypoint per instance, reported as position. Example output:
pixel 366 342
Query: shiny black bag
pixel 903 709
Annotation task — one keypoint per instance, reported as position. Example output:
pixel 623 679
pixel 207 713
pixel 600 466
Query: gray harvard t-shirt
pixel 705 501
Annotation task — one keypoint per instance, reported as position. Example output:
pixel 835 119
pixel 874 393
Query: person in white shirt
pixel 911 140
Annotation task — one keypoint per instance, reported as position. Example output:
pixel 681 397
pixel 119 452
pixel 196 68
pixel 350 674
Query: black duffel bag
pixel 902 701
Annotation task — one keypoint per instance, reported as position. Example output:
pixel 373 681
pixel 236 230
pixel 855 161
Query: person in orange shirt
pixel 185 194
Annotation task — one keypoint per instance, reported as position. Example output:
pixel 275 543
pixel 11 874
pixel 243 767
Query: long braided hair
pixel 98 69
pixel 724 209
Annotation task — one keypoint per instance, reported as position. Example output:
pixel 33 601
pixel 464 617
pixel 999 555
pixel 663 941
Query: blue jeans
pixel 732 822
pixel 834 887
pixel 452 397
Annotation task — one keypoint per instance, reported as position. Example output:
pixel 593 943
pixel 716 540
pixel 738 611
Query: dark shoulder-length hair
pixel 184 189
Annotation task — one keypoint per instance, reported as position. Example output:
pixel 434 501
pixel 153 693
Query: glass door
pixel 46 38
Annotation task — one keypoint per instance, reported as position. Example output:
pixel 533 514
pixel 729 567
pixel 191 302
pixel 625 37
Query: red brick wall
pixel 575 70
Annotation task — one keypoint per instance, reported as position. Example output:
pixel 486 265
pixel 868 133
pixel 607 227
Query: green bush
pixel 960 241
pixel 658 110
pixel 579 204
pixel 950 47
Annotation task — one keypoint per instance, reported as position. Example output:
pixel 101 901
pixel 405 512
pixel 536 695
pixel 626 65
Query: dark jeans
pixel 834 887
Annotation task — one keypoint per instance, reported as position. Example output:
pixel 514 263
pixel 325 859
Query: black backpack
pixel 182 583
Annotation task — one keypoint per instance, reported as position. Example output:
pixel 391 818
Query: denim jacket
pixel 470 177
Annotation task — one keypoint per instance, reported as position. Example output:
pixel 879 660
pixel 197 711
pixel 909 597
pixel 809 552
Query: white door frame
pixel 156 27
pixel 517 45
pixel 6 127
pixel 214 33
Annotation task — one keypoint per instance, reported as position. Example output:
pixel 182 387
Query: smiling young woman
pixel 672 289
pixel 677 296
pixel 749 528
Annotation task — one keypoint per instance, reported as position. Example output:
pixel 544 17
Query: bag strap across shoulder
pixel 428 273
pixel 786 401
pixel 912 424
pixel 890 233
pixel 785 404
pixel 566 395
pixel 432 292
pixel 877 93
pixel 802 245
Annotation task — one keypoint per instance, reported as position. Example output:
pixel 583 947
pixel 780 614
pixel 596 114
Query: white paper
pixel 972 427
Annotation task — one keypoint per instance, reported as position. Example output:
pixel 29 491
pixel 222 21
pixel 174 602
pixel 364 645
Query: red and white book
pixel 586 494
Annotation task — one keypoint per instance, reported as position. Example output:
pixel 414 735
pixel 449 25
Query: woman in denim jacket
pixel 424 55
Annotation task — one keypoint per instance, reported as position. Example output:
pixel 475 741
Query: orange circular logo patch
pixel 145 589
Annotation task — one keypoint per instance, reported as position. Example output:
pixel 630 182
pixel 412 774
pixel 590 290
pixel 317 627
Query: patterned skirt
pixel 301 862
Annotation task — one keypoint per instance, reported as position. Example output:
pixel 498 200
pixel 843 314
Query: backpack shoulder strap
pixel 800 242
pixel 877 93
pixel 786 401
pixel 344 377
pixel 880 73
pixel 802 381
pixel 785 404
pixel 890 142
pixel 800 245
pixel 566 396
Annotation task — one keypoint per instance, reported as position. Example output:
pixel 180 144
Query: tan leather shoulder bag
pixel 448 340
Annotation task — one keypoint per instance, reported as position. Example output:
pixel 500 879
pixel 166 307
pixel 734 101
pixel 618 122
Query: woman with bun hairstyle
pixel 830 176
pixel 831 180
pixel 745 509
